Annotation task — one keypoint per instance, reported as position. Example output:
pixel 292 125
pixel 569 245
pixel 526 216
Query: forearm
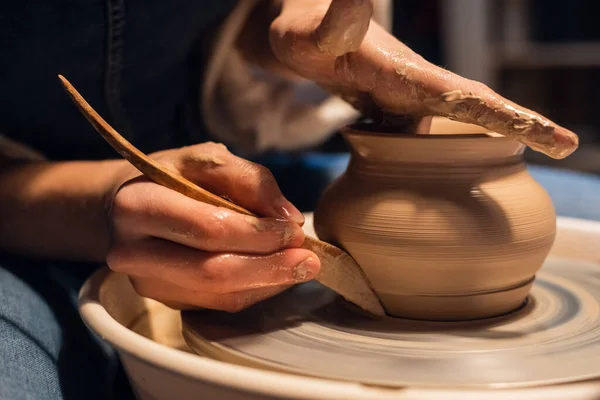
pixel 56 210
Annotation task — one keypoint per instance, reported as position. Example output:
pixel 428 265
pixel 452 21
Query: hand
pixel 189 254
pixel 335 44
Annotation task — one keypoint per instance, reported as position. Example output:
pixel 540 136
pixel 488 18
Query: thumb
pixel 344 26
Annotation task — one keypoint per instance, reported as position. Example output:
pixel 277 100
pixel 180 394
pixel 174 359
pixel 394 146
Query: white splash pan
pixel 148 339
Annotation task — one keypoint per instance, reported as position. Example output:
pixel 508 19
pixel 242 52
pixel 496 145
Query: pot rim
pixel 363 129
pixel 449 149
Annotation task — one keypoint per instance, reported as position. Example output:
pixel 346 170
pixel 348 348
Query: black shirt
pixel 137 62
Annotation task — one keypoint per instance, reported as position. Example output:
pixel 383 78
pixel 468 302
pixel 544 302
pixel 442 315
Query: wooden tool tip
pixel 64 80
pixel 68 87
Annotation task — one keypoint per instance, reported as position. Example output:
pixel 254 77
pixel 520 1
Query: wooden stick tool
pixel 339 271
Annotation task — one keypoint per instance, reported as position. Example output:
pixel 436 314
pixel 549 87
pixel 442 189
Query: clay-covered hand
pixel 189 254
pixel 336 44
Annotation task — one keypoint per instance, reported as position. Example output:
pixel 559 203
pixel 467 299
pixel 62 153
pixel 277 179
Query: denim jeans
pixel 46 352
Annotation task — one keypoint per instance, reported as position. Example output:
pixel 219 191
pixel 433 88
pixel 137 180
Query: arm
pixel 56 210
pixel 336 44
pixel 176 250
pixel 254 102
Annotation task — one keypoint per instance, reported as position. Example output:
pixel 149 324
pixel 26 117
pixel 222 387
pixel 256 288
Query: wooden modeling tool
pixel 339 272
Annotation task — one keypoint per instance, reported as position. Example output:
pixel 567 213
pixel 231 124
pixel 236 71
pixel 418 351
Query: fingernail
pixel 339 38
pixel 287 210
pixel 306 270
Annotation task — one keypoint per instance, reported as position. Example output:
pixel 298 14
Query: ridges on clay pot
pixel 446 226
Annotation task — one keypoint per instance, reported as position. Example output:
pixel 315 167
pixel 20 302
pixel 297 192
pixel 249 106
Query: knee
pixel 30 340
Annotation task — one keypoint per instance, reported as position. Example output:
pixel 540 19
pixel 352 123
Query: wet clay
pixel 523 125
pixel 445 226
pixel 287 231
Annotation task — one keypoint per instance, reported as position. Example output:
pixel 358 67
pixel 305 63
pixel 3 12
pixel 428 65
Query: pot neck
pixel 435 151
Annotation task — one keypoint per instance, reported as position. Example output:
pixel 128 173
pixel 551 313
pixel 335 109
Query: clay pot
pixel 446 226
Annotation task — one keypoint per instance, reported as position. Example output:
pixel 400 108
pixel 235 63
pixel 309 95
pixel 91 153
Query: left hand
pixel 189 254
pixel 337 45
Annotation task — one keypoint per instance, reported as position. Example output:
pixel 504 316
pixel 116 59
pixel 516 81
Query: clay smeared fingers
pixel 399 81
pixel 344 26
pixel 184 298
pixel 244 182
pixel 381 76
pixel 425 89
pixel 142 209
pixel 212 272
pixel 472 102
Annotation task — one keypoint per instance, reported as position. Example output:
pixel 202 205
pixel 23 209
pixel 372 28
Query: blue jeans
pixel 46 352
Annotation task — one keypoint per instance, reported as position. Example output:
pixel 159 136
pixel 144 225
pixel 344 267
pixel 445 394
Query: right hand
pixel 189 254
pixel 337 45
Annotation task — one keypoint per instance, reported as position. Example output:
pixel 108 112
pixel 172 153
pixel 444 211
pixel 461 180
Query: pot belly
pixel 434 270
pixel 440 253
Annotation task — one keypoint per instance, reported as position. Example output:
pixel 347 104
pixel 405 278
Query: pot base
pixel 457 308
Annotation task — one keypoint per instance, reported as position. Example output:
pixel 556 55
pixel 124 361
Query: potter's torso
pixel 137 62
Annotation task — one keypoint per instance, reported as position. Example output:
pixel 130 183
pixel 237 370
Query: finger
pixel 344 26
pixel 184 298
pixel 212 272
pixel 246 183
pixel 472 102
pixel 400 81
pixel 144 209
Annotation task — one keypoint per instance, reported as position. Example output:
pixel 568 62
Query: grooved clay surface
pixel 446 227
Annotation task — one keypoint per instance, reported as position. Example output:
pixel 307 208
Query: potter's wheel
pixel 309 330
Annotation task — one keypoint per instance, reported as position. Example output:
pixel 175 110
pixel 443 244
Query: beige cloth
pixel 254 111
